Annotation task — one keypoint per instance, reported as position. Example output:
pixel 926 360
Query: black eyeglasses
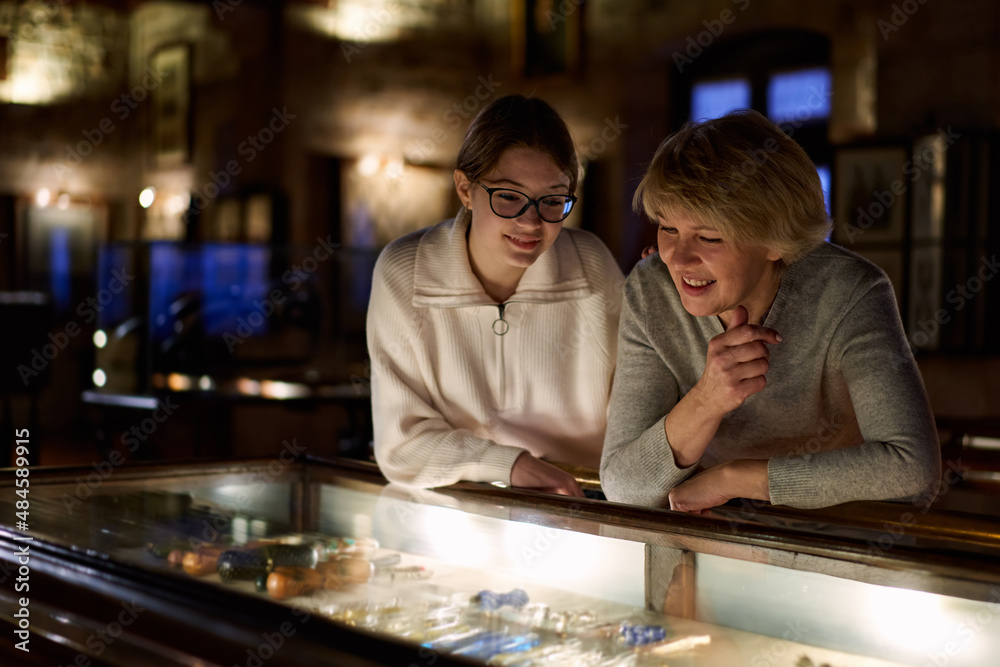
pixel 509 203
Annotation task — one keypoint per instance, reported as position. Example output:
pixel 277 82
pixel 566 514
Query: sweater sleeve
pixel 637 464
pixel 414 445
pixel 899 458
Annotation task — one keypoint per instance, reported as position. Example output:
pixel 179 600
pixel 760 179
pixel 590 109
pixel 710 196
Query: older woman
pixel 756 360
pixel 492 336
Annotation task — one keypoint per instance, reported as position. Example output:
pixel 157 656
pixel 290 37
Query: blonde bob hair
pixel 743 176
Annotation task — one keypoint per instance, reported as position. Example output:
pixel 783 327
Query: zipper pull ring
pixel 500 325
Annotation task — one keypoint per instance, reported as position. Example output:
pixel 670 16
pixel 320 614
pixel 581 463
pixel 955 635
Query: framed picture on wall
pixel 547 37
pixel 870 195
pixel 170 102
pixel 926 315
pixel 3 58
pixel 929 166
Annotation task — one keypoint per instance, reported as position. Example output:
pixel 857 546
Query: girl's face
pixel 712 277
pixel 500 249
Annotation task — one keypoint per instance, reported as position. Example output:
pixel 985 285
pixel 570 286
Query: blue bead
pixel 492 601
pixel 635 635
pixel 489 600
pixel 517 598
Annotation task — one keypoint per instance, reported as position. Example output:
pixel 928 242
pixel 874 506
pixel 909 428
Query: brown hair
pixel 517 121
pixel 742 175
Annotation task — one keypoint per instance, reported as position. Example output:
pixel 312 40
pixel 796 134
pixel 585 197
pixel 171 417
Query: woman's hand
pixel 717 486
pixel 735 366
pixel 533 473
pixel 737 362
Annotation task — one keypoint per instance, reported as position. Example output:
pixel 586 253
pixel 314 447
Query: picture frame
pixel 929 166
pixel 870 195
pixel 926 315
pixel 3 58
pixel 547 37
pixel 170 103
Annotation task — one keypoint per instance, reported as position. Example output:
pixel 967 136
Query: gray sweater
pixel 844 415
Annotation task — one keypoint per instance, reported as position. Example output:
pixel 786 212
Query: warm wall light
pixel 368 165
pixel 62 201
pixel 100 338
pixel 43 45
pixel 177 204
pixel 248 387
pixel 178 382
pixel 43 197
pixel 361 22
pixel 394 168
pixel 99 378
pixel 146 197
pixel 282 390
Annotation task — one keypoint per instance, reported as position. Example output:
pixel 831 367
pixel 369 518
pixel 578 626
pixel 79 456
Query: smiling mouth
pixel 523 242
pixel 697 283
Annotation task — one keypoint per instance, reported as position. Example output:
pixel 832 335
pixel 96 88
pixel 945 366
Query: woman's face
pixel 502 248
pixel 712 277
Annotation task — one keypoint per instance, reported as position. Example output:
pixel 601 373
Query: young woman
pixel 756 360
pixel 492 336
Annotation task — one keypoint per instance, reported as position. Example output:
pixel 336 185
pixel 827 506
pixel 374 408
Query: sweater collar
pixel 443 276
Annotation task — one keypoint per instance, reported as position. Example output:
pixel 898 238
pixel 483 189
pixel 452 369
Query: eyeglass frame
pixel 531 202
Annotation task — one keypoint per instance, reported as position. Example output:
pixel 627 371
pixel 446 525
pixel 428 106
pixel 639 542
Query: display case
pixel 295 561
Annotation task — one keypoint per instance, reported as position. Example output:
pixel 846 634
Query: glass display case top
pixel 507 578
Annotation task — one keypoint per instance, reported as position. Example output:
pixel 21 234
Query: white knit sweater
pixel 451 399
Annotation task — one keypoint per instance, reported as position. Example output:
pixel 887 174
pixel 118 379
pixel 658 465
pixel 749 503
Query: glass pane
pixel 711 99
pixel 800 95
pixel 457 572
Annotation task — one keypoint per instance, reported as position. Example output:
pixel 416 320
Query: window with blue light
pixel 59 268
pixel 112 262
pixel 800 95
pixel 711 99
pixel 175 279
pixel 824 180
pixel 234 285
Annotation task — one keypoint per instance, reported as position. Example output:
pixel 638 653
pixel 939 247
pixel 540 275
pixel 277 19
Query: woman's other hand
pixel 737 362
pixel 720 484
pixel 533 473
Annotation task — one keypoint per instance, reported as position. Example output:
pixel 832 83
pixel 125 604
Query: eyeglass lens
pixel 511 203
